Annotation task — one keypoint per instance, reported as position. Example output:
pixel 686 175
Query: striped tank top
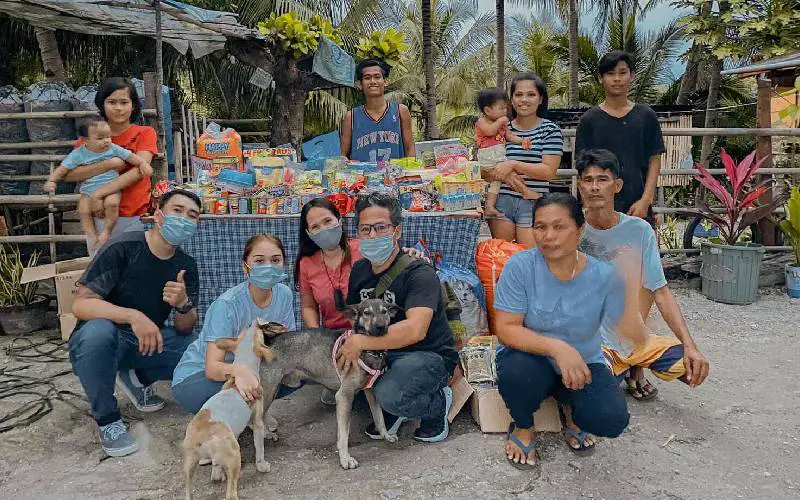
pixel 379 140
pixel 546 139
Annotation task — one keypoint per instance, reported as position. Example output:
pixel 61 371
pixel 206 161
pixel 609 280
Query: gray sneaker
pixel 116 440
pixel 143 398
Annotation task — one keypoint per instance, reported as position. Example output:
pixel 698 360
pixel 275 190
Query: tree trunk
pixel 688 80
pixel 51 57
pixel 573 53
pixel 287 111
pixel 714 79
pixel 430 80
pixel 500 14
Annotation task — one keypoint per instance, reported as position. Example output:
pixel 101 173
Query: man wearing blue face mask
pixel 421 353
pixel 123 301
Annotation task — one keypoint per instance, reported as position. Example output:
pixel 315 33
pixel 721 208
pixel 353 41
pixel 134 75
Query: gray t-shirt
pixel 634 237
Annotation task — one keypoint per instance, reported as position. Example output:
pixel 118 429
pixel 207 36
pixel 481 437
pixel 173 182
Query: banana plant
pixel 791 225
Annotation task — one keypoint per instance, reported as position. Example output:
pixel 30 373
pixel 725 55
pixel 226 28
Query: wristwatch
pixel 186 307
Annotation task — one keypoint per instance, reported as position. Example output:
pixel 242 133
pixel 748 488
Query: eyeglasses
pixel 380 228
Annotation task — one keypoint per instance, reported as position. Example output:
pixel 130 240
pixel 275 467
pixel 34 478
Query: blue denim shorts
pixel 515 209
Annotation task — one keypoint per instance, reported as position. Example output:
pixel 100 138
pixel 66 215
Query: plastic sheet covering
pixel 13 131
pixel 183 26
pixel 45 96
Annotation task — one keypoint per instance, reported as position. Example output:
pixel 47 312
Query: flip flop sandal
pixel 580 436
pixel 525 449
pixel 636 388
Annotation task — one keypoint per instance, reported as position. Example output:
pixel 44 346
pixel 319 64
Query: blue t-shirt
pixel 572 310
pixel 232 312
pixel 632 236
pixel 83 156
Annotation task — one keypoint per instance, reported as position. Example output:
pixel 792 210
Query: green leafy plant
pixel 12 292
pixel 791 225
pixel 386 46
pixel 295 36
pixel 668 233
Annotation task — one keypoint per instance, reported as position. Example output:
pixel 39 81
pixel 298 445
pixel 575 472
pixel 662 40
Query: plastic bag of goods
pixel 83 100
pixel 490 258
pixel 49 97
pixel 13 131
pixel 468 289
pixel 216 142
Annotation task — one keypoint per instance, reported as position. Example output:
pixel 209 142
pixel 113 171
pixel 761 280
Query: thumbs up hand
pixel 175 291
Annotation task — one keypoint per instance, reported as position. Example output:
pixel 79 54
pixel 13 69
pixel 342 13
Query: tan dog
pixel 212 433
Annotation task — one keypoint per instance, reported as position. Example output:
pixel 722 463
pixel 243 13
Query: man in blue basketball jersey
pixel 379 130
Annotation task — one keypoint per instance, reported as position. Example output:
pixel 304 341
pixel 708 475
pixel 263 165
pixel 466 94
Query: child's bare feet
pixel 491 212
pixel 532 195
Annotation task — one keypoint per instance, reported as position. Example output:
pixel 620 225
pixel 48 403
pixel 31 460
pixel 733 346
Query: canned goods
pixel 272 206
pixel 221 206
pixel 244 205
pixel 233 207
pixel 262 205
pixel 295 207
pixel 209 204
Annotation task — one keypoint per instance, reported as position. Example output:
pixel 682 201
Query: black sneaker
pixel 435 430
pixel 392 422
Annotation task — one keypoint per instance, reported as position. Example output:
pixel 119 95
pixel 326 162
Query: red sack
pixel 343 203
pixel 490 258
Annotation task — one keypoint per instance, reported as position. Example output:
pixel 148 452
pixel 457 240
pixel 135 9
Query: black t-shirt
pixel 127 274
pixel 634 138
pixel 416 286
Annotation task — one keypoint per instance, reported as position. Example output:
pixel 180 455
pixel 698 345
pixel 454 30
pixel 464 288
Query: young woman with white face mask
pixel 204 367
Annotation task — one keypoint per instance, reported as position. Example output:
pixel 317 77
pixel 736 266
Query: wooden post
pixel 152 99
pixel 51 223
pixel 764 150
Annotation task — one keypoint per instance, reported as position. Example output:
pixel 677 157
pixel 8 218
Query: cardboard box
pixel 65 274
pixel 490 412
pixel 462 391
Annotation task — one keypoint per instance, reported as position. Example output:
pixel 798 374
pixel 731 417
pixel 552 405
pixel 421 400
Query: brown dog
pixel 212 433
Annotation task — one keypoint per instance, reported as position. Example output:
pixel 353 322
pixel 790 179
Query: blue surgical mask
pixel 327 238
pixel 265 276
pixel 377 250
pixel 177 229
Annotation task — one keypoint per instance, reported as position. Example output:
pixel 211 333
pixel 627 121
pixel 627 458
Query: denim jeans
pixel 525 380
pixel 412 385
pixel 101 348
pixel 192 392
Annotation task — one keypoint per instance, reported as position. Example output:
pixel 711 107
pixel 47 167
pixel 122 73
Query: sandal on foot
pixel 580 436
pixel 641 390
pixel 525 449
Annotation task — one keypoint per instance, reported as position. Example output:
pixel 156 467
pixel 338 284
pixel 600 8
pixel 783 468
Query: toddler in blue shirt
pixel 103 189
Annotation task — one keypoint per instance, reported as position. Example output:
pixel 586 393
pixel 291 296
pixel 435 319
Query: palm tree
pixel 460 50
pixel 427 63
pixel 544 47
pixel 51 57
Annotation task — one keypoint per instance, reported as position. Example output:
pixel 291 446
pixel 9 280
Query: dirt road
pixel 737 436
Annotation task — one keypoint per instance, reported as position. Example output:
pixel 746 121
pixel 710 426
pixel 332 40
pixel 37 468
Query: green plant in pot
pixel 21 309
pixel 791 228
pixel 731 269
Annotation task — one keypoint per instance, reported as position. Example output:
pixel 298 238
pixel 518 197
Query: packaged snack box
pixel 217 142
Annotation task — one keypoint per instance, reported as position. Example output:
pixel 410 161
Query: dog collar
pixel 372 372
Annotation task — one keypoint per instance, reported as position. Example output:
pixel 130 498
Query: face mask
pixel 265 276
pixel 177 229
pixel 327 238
pixel 378 250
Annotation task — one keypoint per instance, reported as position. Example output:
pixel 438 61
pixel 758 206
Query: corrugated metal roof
pixel 183 25
pixel 786 61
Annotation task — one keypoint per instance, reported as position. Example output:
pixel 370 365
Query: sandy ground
pixel 737 436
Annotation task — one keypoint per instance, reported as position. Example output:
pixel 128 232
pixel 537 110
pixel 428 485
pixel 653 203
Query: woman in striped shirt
pixel 536 166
